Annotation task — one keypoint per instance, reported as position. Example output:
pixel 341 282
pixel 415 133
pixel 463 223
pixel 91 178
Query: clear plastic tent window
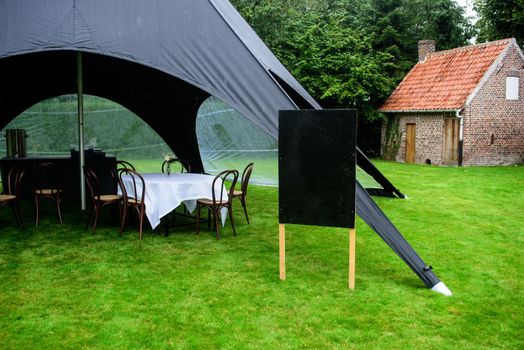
pixel 227 139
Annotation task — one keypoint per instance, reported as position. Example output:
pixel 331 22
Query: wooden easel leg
pixel 282 250
pixel 352 243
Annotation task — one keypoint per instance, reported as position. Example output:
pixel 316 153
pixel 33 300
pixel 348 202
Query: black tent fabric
pixel 159 59
pixel 369 211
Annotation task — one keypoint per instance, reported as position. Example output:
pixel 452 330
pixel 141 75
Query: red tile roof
pixel 445 79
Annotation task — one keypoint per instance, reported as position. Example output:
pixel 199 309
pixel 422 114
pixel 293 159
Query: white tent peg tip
pixel 442 289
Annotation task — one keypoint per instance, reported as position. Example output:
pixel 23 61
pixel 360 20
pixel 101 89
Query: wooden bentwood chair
pixel 46 184
pixel 99 200
pixel 184 166
pixel 242 193
pixel 11 195
pixel 120 164
pixel 133 196
pixel 220 201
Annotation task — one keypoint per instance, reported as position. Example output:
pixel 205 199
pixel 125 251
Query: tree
pixel 397 25
pixel 338 66
pixel 352 53
pixel 499 19
pixel 336 63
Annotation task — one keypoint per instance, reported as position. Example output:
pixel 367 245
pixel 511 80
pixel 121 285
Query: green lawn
pixel 62 287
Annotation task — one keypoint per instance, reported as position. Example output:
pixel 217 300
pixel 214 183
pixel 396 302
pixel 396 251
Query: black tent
pixel 159 59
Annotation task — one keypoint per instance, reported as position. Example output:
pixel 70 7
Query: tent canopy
pixel 161 62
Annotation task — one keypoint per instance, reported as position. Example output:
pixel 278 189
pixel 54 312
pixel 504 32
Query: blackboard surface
pixel 317 167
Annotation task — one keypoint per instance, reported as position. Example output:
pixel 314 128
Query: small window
pixel 512 88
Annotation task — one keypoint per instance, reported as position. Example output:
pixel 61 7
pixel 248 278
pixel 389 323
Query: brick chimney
pixel 425 47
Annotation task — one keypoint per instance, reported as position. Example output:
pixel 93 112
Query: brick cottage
pixel 463 106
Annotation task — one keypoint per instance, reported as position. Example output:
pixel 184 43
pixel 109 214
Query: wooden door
pixel 451 140
pixel 410 142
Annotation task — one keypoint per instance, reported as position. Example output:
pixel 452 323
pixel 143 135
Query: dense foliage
pixel 352 53
pixel 500 19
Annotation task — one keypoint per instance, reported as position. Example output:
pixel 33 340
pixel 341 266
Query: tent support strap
pixel 80 96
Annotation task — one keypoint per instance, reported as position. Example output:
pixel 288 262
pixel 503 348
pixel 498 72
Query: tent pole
pixel 80 95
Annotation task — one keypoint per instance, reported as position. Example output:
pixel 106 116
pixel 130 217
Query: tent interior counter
pixel 102 164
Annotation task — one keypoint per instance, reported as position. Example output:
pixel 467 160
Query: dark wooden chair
pixel 133 196
pixel 220 199
pixel 120 164
pixel 177 164
pixel 99 200
pixel 11 193
pixel 47 183
pixel 242 193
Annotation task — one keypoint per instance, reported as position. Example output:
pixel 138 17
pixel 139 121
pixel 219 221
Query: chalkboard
pixel 317 167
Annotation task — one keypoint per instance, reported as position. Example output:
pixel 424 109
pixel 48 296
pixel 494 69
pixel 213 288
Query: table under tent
pixel 161 61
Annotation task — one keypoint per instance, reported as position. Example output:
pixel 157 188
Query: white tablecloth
pixel 166 192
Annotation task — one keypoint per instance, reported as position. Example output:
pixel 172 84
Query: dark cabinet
pixel 69 171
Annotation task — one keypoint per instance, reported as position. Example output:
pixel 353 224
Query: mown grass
pixel 62 287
